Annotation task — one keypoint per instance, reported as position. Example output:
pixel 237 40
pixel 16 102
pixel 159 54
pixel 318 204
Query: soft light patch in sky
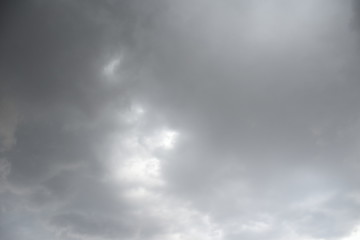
pixel 355 234
pixel 285 23
pixel 139 162
pixel 164 139
pixel 134 160
pixel 133 155
pixel 111 67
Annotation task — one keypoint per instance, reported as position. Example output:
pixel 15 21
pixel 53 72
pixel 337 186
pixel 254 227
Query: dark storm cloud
pixel 263 95
pixel 48 54
pixel 356 11
pixel 8 124
pixel 55 103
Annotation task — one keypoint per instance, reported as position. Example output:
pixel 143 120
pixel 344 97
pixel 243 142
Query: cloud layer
pixel 207 120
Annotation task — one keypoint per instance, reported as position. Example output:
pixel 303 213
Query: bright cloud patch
pixel 110 69
pixel 134 161
pixel 354 235
pixel 133 156
pixel 163 139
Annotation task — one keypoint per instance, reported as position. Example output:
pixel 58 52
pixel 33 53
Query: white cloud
pixel 354 235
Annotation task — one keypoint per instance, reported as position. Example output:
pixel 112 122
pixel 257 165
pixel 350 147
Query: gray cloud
pixel 8 123
pixel 179 120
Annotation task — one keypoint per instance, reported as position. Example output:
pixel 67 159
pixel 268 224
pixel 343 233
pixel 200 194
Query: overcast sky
pixel 180 120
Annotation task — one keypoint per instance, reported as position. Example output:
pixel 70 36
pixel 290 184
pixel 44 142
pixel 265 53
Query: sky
pixel 180 120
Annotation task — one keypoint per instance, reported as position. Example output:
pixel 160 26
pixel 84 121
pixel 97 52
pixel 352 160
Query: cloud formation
pixel 207 120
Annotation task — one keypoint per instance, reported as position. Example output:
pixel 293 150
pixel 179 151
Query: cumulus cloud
pixel 209 120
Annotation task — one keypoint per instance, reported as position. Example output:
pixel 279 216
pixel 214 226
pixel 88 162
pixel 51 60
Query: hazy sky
pixel 180 120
